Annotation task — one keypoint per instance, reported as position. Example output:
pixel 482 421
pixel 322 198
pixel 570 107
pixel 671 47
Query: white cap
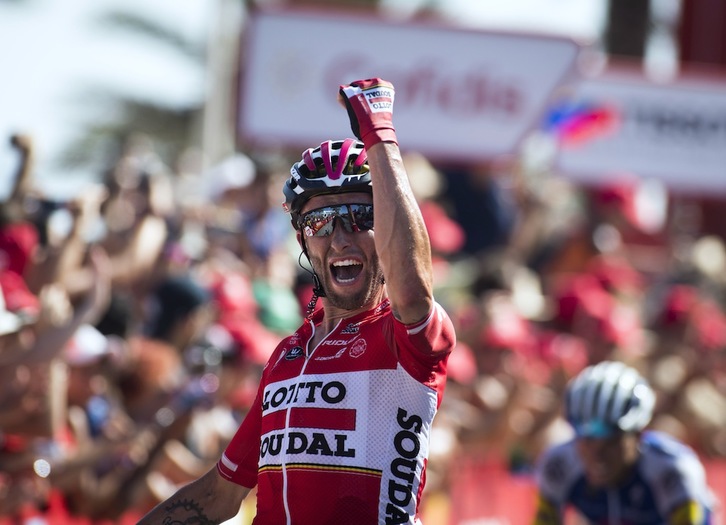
pixel 235 172
pixel 86 346
pixel 9 322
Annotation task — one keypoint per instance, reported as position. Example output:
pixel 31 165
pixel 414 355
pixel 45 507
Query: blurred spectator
pixel 34 410
pixel 135 321
pixel 483 207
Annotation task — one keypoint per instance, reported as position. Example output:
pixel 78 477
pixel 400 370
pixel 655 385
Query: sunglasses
pixel 321 221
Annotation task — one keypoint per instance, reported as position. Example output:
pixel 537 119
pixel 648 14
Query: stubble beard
pixel 346 301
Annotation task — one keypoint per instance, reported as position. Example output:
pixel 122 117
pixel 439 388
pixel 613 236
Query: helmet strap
pixel 310 309
pixel 318 290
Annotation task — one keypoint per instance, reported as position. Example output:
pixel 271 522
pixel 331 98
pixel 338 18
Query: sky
pixel 580 19
pixel 52 51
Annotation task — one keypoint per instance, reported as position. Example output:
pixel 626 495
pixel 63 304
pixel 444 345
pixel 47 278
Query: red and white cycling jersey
pixel 339 433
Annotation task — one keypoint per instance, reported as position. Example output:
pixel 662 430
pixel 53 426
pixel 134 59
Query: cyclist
pixel 613 471
pixel 339 431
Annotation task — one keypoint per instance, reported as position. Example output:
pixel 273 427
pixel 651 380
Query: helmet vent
pixel 333 167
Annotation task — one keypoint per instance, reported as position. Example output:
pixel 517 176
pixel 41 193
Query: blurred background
pixel 80 74
pixel 569 158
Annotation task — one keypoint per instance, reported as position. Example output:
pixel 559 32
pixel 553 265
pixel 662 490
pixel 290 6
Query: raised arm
pixel 22 180
pixel 401 238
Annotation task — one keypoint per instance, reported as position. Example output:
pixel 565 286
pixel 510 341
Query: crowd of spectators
pixel 135 318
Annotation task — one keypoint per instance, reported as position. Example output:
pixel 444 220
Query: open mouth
pixel 346 271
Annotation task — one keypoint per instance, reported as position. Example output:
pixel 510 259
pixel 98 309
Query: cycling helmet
pixel 336 166
pixel 607 397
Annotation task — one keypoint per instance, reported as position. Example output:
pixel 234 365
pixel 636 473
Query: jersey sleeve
pixel 423 347
pixel 239 462
pixel 547 512
pixel 557 469
pixel 689 513
pixel 678 480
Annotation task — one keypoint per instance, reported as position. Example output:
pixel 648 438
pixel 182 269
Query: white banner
pixel 675 132
pixel 460 94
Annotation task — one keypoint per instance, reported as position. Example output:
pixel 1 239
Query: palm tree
pixel 115 116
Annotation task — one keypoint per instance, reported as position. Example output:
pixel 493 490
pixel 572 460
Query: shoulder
pixel 437 324
pixel 673 468
pixel 558 469
pixel 659 448
pixel 290 347
pixel 562 454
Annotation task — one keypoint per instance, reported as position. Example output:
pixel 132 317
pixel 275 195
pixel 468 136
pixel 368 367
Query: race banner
pixel 621 122
pixel 461 94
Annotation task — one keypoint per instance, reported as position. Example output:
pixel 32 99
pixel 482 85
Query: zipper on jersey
pixel 308 355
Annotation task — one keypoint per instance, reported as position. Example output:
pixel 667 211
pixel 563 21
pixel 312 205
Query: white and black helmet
pixel 336 166
pixel 608 396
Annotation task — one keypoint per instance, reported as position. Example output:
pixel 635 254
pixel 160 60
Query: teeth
pixel 337 268
pixel 347 262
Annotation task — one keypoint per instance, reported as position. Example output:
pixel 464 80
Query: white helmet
pixel 606 397
pixel 336 166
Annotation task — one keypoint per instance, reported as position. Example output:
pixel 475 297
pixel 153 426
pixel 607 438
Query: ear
pixel 298 236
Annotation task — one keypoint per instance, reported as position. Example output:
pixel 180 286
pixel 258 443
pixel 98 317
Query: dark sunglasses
pixel 321 221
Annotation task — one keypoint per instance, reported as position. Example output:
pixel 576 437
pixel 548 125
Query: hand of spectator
pixel 21 142
pixel 99 295
pixel 55 306
pixel 88 203
pixel 17 492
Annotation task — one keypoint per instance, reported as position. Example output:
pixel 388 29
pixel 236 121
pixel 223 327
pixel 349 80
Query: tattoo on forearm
pixel 194 514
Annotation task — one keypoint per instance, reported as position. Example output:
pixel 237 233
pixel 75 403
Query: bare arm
pixel 24 145
pixel 50 338
pixel 402 241
pixel 210 499
pixel 401 238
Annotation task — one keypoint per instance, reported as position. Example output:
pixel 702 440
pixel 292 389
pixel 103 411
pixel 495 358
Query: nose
pixel 340 236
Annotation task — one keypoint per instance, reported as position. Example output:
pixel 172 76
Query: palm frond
pixel 102 138
pixel 124 21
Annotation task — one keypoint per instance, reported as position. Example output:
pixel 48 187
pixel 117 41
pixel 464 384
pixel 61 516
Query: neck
pixel 332 315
